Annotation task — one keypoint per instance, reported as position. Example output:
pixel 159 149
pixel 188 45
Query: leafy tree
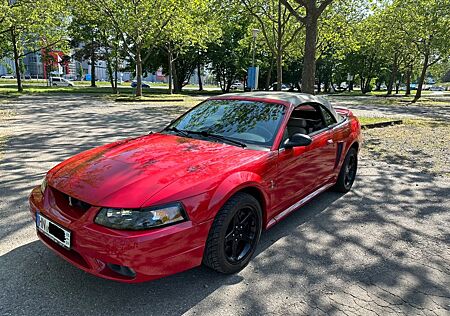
pixel 139 24
pixel 278 26
pixel 31 26
pixel 185 37
pixel 425 24
pixel 93 39
pixel 229 54
pixel 308 13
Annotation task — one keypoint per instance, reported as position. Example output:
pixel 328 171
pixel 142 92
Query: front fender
pixel 233 184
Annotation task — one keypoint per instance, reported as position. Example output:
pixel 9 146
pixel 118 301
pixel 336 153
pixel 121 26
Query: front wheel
pixel 347 174
pixel 234 234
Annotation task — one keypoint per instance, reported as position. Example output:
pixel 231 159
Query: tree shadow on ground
pixel 381 248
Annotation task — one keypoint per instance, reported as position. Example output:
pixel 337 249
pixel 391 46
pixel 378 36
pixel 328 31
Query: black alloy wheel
pixel 234 234
pixel 241 235
pixel 347 174
pixel 350 171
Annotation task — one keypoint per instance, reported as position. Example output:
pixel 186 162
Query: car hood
pixel 127 173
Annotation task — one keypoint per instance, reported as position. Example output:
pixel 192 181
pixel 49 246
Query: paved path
pixel 365 106
pixel 382 248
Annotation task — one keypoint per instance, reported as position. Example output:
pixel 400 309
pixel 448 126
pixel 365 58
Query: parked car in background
pixel 437 88
pixel 237 85
pixel 61 82
pixel 144 84
pixel 7 77
pixel 284 86
pixel 201 190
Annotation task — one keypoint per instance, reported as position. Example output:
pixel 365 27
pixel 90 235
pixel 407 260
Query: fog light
pixel 125 271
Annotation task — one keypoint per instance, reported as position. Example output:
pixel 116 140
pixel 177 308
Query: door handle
pixel 330 141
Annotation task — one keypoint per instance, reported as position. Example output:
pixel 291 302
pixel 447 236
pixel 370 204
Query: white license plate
pixel 53 231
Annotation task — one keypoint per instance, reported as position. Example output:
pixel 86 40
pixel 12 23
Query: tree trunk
pixel 116 70
pixel 422 78
pixel 367 88
pixel 177 85
pixel 170 53
pixel 378 85
pixel 93 83
pixel 228 86
pixel 200 83
pixel 109 68
pixel 309 60
pixel 138 72
pixel 408 80
pixel 350 85
pixel 393 76
pixel 269 76
pixel 16 60
pixel 279 50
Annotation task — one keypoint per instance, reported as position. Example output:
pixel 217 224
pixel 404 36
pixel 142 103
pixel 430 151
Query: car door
pixel 301 170
pixel 328 148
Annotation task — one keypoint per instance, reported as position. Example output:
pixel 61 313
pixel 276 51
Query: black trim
pixel 340 147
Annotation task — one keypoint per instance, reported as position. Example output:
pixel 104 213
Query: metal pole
pixel 254 48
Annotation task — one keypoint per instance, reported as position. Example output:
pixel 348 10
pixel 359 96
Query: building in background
pixel 7 67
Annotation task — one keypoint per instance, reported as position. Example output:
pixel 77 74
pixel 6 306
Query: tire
pixel 241 217
pixel 347 174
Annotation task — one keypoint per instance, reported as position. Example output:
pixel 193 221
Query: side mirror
pixel 298 140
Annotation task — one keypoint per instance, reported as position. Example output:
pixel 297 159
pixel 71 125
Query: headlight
pixel 139 219
pixel 44 185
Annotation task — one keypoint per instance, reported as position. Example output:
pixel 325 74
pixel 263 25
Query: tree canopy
pixel 313 45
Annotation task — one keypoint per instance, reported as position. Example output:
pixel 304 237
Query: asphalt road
pixel 383 248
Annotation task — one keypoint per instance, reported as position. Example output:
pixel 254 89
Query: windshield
pixel 250 122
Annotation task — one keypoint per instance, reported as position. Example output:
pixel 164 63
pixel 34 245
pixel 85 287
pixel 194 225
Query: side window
pixel 329 119
pixel 55 79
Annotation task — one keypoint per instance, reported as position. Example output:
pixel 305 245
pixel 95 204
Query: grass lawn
pixel 372 120
pixel 10 90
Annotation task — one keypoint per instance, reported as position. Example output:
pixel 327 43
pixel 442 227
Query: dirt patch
pixel 422 144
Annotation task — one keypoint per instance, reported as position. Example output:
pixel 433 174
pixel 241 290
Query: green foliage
pixel 230 54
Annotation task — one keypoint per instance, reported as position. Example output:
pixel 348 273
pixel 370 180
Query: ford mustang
pixel 201 190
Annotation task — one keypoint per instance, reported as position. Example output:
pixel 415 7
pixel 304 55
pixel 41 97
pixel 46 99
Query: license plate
pixel 53 231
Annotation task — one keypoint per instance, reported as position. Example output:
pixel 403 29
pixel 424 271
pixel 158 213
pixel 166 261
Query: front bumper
pixel 150 254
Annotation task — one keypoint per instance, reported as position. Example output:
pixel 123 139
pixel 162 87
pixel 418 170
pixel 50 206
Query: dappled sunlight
pixel 381 248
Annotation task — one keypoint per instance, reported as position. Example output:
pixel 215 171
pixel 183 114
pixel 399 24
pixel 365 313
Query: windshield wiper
pixel 206 134
pixel 219 137
pixel 178 131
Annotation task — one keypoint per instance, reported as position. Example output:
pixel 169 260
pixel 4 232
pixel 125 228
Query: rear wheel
pixel 234 234
pixel 347 174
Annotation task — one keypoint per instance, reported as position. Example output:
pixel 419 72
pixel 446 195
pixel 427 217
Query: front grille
pixel 68 205
pixel 77 203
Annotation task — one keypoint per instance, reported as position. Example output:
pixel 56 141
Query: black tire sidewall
pixel 340 183
pixel 237 202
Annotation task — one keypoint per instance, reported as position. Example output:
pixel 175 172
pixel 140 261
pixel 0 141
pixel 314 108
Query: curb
pixel 382 124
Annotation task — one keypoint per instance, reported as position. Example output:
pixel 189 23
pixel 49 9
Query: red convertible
pixel 200 191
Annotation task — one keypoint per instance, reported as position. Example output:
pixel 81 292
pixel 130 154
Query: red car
pixel 199 191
